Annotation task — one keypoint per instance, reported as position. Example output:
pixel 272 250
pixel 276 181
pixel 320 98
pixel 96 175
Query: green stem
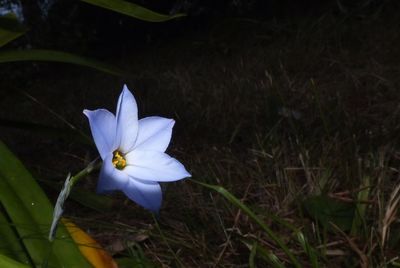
pixel 84 172
pixel 64 193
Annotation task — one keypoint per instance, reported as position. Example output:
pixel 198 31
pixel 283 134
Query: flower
pixel 133 152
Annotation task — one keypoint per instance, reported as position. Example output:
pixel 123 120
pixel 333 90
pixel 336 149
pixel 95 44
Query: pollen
pixel 118 160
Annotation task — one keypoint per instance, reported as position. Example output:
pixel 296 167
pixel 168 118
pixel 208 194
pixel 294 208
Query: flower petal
pixel 103 125
pixel 146 193
pixel 110 178
pixel 154 134
pixel 127 120
pixel 154 166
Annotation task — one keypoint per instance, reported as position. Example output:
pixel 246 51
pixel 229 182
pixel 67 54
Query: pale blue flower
pixel 133 152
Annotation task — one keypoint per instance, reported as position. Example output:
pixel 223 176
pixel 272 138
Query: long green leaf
pixel 10 29
pixel 10 263
pixel 10 244
pixel 132 10
pixel 253 253
pixel 361 207
pixel 271 257
pixel 31 213
pixel 28 229
pixel 231 198
pixel 308 249
pixel 262 253
pixel 55 56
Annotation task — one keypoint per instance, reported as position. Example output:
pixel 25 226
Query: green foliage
pixel 10 29
pixel 10 263
pixel 132 10
pixel 137 258
pixel 232 199
pixel 361 206
pixel 327 210
pixel 308 249
pixel 64 193
pixel 29 213
pixel 10 245
pixel 55 56
pixel 258 251
pixel 136 261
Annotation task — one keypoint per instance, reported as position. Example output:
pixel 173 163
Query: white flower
pixel 132 151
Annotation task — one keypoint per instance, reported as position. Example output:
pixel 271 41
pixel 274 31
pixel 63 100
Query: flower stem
pixel 94 165
pixel 64 193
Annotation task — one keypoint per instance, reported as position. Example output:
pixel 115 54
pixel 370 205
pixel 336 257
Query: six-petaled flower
pixel 133 152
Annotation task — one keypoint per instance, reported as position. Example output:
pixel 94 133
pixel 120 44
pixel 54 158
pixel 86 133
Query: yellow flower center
pixel 118 160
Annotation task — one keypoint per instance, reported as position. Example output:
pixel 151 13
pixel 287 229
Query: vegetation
pixel 289 127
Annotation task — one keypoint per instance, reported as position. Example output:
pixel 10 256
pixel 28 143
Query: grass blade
pixel 361 207
pixel 253 253
pixel 231 198
pixel 56 56
pixel 262 253
pixel 308 249
pixel 132 10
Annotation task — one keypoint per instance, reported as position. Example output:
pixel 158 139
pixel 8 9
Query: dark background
pixel 271 99
pixel 91 30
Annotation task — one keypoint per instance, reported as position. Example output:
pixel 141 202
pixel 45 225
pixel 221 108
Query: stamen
pixel 118 160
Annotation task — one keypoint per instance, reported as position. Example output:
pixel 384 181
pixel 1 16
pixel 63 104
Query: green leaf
pixel 253 253
pixel 327 210
pixel 27 228
pixel 10 263
pixel 308 249
pixel 262 253
pixel 10 28
pixel 55 56
pixel 132 10
pixel 272 258
pixel 10 244
pixel 132 262
pixel 30 211
pixel 361 207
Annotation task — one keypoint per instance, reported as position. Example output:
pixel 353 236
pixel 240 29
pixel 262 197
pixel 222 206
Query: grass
pixel 298 119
